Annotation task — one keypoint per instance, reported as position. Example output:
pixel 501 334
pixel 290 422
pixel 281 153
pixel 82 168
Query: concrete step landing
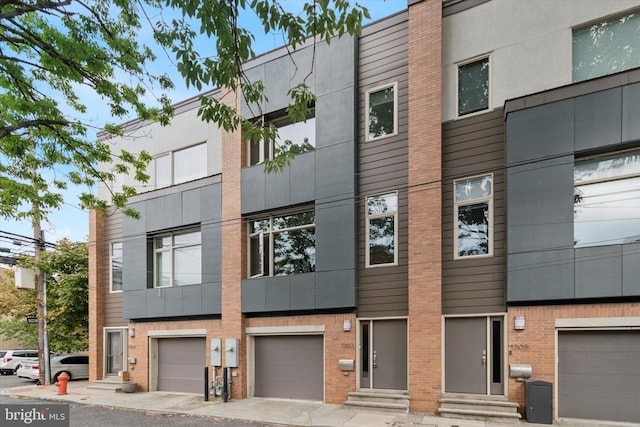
pixel 388 400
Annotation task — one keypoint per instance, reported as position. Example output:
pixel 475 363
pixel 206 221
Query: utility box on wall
pixel 216 352
pixel 231 352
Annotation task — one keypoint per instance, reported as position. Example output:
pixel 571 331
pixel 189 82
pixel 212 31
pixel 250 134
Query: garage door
pixel 599 375
pixel 181 363
pixel 289 367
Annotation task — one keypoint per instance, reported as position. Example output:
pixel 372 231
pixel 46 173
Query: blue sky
pixel 71 221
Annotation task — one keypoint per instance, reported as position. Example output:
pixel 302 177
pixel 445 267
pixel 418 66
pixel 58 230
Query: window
pixel 606 47
pixel 181 165
pixel 473 86
pixel 382 230
pixel 607 200
pixel 283 244
pixel 382 114
pixel 473 214
pixel 116 267
pixel 299 137
pixel 178 259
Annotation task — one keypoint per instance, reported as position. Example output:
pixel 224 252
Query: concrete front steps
pixel 108 383
pixel 478 407
pixel 387 400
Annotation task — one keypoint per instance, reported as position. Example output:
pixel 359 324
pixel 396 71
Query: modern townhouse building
pixel 429 236
pixel 540 210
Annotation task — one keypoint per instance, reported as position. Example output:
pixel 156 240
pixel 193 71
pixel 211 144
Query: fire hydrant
pixel 61 383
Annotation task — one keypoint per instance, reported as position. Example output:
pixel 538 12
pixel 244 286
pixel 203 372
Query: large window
pixel 382 112
pixel 606 47
pixel 177 259
pixel 473 216
pixel 382 230
pixel 299 137
pixel 282 244
pixel 116 267
pixel 473 86
pixel 607 200
pixel 181 166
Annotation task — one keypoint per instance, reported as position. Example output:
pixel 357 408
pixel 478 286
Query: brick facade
pixel 97 273
pixel 425 206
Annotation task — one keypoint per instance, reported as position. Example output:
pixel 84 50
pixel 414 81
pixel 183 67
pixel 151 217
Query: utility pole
pixel 41 300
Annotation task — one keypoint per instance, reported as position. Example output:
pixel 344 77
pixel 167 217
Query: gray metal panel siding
pixel 325 176
pixel 112 301
pixel 544 275
pixel 599 271
pixel 383 164
pixel 631 269
pixel 473 146
pixel 169 211
pixel 630 113
pixel 598 117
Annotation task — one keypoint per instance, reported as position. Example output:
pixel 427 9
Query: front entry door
pixel 473 355
pixel 383 354
pixel 114 352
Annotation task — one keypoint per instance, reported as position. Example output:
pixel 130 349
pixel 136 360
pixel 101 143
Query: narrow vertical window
pixel 382 230
pixel 473 87
pixel 116 267
pixel 473 216
pixel 382 112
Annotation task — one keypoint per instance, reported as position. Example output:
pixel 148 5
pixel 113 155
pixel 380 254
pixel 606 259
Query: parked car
pixel 10 359
pixel 75 365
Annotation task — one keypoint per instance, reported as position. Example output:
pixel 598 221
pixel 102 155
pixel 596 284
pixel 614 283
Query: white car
pixel 11 359
pixel 75 365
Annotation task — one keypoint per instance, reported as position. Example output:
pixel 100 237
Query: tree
pixel 53 50
pixel 67 272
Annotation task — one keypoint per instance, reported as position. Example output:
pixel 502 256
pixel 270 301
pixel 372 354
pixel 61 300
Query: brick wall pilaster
pixel 425 201
pixel 96 294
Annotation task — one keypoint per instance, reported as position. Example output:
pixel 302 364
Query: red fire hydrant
pixel 61 383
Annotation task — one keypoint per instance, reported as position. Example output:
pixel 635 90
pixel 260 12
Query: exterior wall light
pixel 519 322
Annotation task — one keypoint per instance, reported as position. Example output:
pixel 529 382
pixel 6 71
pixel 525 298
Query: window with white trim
pixel 473 216
pixel 382 230
pixel 473 86
pixel 116 266
pixel 282 244
pixel 382 112
pixel 298 137
pixel 607 200
pixel 181 166
pixel 606 47
pixel 177 259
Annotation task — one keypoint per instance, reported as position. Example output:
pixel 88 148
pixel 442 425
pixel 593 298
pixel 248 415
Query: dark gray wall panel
pixel 598 118
pixel 335 240
pixel 540 132
pixel 335 172
pixel 538 276
pixel 211 202
pixel 599 271
pixel 134 263
pixel 303 71
pixel 211 253
pixel 191 206
pixel 335 118
pixel 192 299
pixel 631 269
pixel 277 293
pixel 335 289
pixel 132 226
pixel 155 303
pixel 302 188
pixel 540 208
pixel 335 65
pixel 253 189
pixel 302 292
pixel 134 303
pixel 253 295
pixel 277 86
pixel 277 188
pixel 250 111
pixel 212 298
pixel 631 113
pixel 173 303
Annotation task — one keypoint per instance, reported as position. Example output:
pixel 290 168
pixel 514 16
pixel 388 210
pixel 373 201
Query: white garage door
pixel 599 375
pixel 181 363
pixel 289 367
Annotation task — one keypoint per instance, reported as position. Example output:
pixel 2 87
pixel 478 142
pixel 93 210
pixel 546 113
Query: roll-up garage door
pixel 289 367
pixel 599 375
pixel 181 363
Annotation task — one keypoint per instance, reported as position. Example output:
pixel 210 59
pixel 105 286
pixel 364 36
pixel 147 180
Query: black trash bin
pixel 539 402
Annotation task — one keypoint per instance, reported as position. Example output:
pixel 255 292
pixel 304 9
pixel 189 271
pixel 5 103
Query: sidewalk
pixel 278 411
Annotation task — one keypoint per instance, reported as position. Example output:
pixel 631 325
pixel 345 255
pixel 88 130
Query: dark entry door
pixel 466 355
pixel 383 346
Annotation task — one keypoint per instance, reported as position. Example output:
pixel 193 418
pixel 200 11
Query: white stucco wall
pixel 529 43
pixel 186 129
